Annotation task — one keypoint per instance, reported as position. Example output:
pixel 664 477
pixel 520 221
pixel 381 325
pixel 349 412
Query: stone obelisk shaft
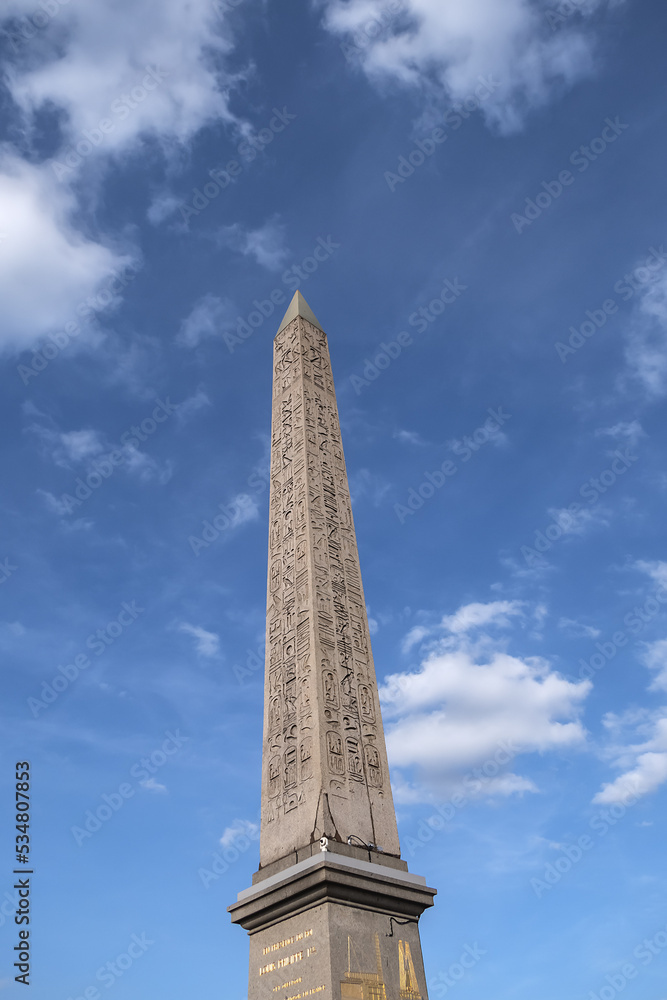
pixel 331 919
pixel 325 770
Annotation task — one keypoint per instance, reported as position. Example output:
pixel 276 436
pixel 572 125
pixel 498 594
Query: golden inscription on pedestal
pixel 307 993
pixel 286 941
pixel 286 986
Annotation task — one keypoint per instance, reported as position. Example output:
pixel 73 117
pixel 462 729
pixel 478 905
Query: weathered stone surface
pixel 337 926
pixel 325 918
pixel 325 770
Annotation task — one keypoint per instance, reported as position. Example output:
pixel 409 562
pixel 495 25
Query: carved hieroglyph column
pixel 326 917
pixel 325 768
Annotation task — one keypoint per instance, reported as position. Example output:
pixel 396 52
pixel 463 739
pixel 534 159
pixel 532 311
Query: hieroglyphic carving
pixel 305 754
pixel 366 703
pixel 335 751
pixel 354 764
pixel 322 706
pixel 373 766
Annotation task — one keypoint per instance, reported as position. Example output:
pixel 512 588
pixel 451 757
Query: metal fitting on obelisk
pixel 319 912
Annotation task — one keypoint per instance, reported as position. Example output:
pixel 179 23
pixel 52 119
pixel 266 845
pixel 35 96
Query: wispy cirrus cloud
pixel 628 432
pixel 239 829
pixel 443 48
pixel 209 316
pixel 646 339
pixel 266 244
pixel 476 615
pixel 577 630
pixel 207 643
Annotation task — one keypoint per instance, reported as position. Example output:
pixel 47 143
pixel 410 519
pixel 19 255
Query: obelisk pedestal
pixel 333 909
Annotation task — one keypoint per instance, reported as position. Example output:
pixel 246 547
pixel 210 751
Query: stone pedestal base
pixel 336 928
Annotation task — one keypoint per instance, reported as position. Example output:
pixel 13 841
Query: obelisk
pixel 333 910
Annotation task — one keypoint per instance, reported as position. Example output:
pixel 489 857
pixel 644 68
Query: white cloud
pixel 444 48
pixel 656 570
pixel 649 773
pixel 68 447
pixel 582 521
pixel 59 507
pixel 91 67
pixel 87 448
pixel 266 244
pixel 639 743
pixel 240 828
pixel 646 351
pixel 577 630
pixel 415 636
pixel 468 617
pixel 144 466
pixel 655 659
pixel 197 401
pixel 409 437
pixel 80 445
pixel 464 705
pixel 151 785
pixel 110 88
pixel 16 628
pixel 624 432
pixel 373 624
pixel 209 316
pixel 475 615
pixel 521 570
pixel 162 206
pixel 206 643
pixel 241 509
pixel 47 268
pixel 368 485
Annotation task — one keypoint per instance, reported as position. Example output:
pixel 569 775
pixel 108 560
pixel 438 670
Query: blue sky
pixel 471 198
